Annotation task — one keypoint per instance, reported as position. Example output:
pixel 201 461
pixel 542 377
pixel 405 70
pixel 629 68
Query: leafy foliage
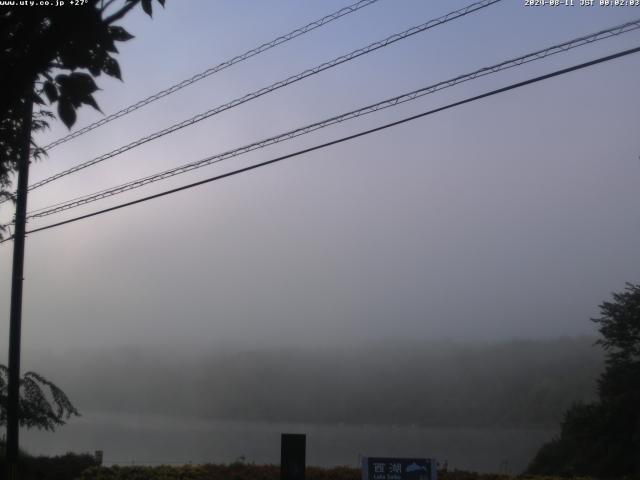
pixel 59 467
pixel 43 405
pixel 239 471
pixel 54 53
pixel 258 472
pixel 603 438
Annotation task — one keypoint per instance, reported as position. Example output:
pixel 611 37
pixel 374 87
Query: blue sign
pixel 385 468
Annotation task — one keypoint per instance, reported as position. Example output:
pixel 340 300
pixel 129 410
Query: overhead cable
pixel 391 102
pixel 210 71
pixel 275 86
pixel 341 140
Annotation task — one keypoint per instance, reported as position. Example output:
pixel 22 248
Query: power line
pixel 391 102
pixel 210 71
pixel 343 139
pixel 275 86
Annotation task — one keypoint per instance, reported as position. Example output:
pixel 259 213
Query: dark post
pixel 15 320
pixel 292 456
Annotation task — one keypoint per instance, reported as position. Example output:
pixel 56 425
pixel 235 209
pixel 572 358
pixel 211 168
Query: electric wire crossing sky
pixel 391 102
pixel 474 7
pixel 303 130
pixel 218 68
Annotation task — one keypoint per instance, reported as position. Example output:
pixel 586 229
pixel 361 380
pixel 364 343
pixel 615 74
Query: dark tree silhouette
pixel 43 405
pixel 603 438
pixel 54 53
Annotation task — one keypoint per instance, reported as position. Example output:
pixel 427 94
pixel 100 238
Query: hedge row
pixel 254 472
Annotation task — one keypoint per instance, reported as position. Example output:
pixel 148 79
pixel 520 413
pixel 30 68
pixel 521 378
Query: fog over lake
pixel 153 440
pixel 473 405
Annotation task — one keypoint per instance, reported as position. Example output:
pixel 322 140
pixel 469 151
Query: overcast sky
pixel 514 216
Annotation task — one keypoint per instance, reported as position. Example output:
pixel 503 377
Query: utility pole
pixel 15 322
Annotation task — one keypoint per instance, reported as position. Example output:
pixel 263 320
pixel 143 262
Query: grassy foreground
pixel 251 472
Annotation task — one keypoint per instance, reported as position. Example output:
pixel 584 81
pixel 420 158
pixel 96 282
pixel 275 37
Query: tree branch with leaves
pixel 54 54
pixel 43 405
pixel 602 438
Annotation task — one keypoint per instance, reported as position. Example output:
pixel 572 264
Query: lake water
pixel 147 439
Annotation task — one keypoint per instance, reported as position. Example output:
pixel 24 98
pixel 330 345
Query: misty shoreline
pixel 521 384
pixel 142 418
pixel 155 440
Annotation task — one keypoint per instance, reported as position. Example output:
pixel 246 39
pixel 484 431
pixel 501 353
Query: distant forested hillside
pixel 520 383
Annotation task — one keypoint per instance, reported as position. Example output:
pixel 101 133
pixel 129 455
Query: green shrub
pixel 63 467
pixel 239 471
